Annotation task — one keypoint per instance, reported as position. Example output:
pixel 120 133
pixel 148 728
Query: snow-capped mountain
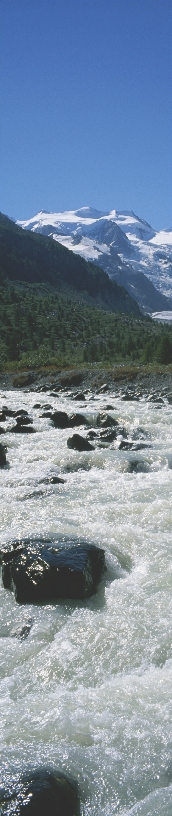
pixel 123 244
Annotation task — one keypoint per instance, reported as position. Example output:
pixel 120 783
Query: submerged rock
pixel 44 792
pixel 40 571
pixel 79 443
pixel 21 632
pixel 2 456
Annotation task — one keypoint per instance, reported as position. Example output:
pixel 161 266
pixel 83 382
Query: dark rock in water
pixel 40 571
pixel 24 419
pixel 128 396
pixel 139 433
pixel 22 632
pixel 106 421
pixel 109 436
pixel 22 429
pixel 128 445
pixel 79 443
pixel 2 416
pixel 2 456
pixel 155 398
pixel 37 405
pixel 8 411
pixel 77 419
pixel 109 408
pixel 137 466
pixel 125 445
pixel 79 396
pixel 53 480
pixel 20 413
pixel 60 419
pixel 44 792
pixel 46 415
pixel 2 430
pixel 131 396
pixel 47 407
pixel 92 435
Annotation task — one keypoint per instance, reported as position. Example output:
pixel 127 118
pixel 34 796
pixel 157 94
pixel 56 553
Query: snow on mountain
pixel 123 244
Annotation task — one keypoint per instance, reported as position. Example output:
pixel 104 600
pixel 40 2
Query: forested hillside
pixel 34 258
pixel 39 327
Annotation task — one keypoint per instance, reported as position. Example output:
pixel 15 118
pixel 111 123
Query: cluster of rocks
pixel 107 428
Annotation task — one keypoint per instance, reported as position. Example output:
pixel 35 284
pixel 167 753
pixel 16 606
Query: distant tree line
pixel 39 327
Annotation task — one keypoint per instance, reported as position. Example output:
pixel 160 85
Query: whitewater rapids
pixel 89 689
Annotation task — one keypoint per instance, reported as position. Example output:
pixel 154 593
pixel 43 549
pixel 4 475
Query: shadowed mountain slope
pixel 34 258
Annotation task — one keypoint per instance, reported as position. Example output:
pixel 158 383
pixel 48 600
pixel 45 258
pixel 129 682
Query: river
pixel 89 689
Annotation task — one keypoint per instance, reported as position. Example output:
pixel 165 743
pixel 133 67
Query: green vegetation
pixel 32 258
pixel 57 309
pixel 40 327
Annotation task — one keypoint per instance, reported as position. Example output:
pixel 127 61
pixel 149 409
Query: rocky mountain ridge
pixel 120 243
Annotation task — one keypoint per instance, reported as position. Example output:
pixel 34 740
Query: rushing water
pixel 89 689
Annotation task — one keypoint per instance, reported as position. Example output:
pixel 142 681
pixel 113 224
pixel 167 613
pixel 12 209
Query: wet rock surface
pixel 77 419
pixel 79 443
pixel 60 419
pixel 40 571
pixel 43 792
pixel 2 455
pixel 106 421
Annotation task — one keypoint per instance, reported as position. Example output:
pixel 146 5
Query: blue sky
pixel 86 99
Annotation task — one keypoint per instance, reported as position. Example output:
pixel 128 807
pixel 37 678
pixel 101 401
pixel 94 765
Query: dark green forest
pixel 38 327
pixel 57 309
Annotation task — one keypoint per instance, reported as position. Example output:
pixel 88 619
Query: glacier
pixel 121 243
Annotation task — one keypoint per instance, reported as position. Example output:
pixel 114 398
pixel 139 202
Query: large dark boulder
pixel 79 443
pixel 40 571
pixel 24 419
pixel 8 411
pixel 44 792
pixel 77 419
pixel 106 421
pixel 2 456
pixel 2 416
pixel 60 419
pixel 21 413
